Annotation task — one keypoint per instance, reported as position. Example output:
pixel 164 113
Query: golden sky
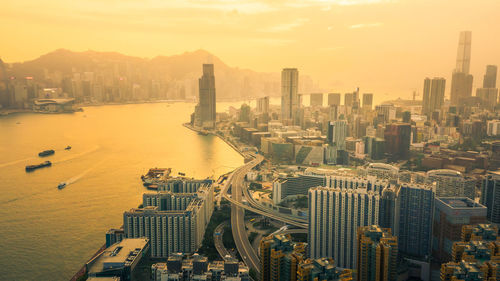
pixel 385 47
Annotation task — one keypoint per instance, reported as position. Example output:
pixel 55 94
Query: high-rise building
pixel 387 214
pixel 349 99
pixel 490 196
pixel 296 185
pixel 290 101
pixel 397 141
pixel 337 132
pixel 377 254
pixel 414 214
pixel 207 100
pixel 334 218
pixel 461 82
pixel 334 99
pixel 433 95
pixel 316 99
pixel 174 222
pixel 263 105
pixel 450 216
pixel 463 53
pixel 5 99
pixel 367 101
pixel 451 183
pixel 488 96
pixel 280 257
pixel 490 78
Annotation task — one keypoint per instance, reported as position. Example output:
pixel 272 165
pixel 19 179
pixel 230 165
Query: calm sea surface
pixel 46 233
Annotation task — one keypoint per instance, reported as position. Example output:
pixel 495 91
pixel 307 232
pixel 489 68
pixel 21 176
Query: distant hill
pixel 185 69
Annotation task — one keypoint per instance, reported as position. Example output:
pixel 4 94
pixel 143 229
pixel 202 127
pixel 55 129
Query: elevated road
pixel 238 192
pixel 219 244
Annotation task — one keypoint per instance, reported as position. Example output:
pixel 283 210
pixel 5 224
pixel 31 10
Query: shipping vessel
pixel 46 153
pixel 30 168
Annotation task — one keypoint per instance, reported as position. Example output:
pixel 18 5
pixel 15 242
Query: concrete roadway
pixel 219 244
pixel 235 181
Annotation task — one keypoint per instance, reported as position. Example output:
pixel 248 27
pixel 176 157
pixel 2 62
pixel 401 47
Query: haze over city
pixel 251 140
pixel 382 46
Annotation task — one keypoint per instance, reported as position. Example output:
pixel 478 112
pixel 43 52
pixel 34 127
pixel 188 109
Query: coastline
pixel 194 129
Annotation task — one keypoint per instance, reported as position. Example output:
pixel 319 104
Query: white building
pixel 450 183
pixel 174 222
pixel 334 217
pixel 493 128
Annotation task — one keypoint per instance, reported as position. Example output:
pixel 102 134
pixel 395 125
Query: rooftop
pixel 118 255
pixel 460 202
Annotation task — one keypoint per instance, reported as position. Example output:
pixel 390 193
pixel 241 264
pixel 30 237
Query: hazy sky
pixel 380 46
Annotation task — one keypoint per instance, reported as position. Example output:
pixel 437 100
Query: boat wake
pixel 2 165
pixel 77 155
pixel 81 175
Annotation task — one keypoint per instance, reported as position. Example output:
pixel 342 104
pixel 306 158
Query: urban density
pixel 333 186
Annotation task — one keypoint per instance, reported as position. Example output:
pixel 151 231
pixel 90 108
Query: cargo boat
pixel 30 168
pixel 46 153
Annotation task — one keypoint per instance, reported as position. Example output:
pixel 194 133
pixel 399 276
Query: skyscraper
pixel 337 132
pixel 377 254
pixel 207 99
pixel 174 222
pixel 316 99
pixel 4 87
pixel 367 101
pixel 334 99
pixel 263 105
pixel 334 218
pixel 397 140
pixel 489 93
pixel 414 211
pixel 490 78
pixel 490 196
pixel 461 82
pixel 433 95
pixel 349 99
pixel 290 101
pixel 463 53
pixel 279 258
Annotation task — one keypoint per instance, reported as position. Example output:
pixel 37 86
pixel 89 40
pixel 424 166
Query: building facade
pixel 377 254
pixel 413 220
pixel 334 218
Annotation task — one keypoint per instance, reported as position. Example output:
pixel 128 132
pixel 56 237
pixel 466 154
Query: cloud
pixel 286 26
pixel 365 25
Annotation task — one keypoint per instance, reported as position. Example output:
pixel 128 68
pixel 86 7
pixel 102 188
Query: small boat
pixel 61 185
pixel 46 153
pixel 31 168
pixel 67 147
pixel 182 174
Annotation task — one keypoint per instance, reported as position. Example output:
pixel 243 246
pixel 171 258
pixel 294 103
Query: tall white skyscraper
pixel 461 81
pixel 337 132
pixel 290 101
pixel 334 218
pixel 463 54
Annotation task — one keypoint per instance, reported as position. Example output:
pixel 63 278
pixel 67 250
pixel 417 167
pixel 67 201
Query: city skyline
pixel 266 36
pixel 309 150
